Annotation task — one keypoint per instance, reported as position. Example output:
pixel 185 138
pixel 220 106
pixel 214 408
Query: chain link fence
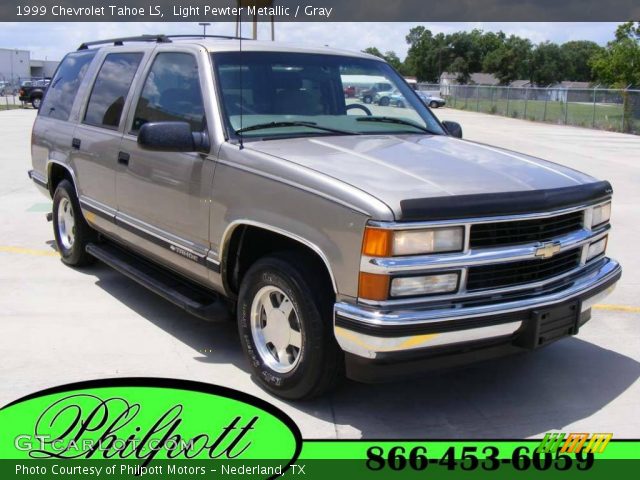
pixel 600 108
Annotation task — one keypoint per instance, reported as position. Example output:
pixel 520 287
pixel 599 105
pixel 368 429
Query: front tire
pixel 284 320
pixel 71 231
pixel 433 104
pixel 36 102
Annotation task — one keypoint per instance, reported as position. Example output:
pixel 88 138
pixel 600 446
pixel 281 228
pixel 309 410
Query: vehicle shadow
pixel 216 341
pixel 512 397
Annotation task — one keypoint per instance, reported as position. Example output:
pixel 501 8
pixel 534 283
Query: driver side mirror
pixel 453 128
pixel 172 137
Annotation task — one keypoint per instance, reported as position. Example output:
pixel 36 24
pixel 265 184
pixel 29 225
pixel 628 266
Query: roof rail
pixel 153 38
pixel 225 37
pixel 120 41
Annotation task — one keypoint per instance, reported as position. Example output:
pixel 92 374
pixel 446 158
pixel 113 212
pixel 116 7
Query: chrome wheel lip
pixel 66 224
pixel 277 343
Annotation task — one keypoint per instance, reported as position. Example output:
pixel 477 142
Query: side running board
pixel 185 294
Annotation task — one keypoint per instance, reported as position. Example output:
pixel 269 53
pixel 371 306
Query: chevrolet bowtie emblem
pixel 548 250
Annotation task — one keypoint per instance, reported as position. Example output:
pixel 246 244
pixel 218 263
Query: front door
pixel 163 197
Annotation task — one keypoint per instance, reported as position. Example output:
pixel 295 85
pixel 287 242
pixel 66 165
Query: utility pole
pixel 204 26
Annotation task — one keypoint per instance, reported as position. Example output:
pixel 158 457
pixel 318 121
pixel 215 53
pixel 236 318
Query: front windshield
pixel 277 94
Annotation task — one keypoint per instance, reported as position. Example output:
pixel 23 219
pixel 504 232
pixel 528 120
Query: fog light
pixel 424 285
pixel 601 215
pixel 597 248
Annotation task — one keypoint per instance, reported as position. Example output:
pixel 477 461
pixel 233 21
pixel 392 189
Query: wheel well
pixel 57 173
pixel 249 243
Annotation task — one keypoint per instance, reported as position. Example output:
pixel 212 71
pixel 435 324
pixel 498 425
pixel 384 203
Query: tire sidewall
pixel 307 370
pixel 74 254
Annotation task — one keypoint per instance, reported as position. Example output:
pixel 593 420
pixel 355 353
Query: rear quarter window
pixel 64 87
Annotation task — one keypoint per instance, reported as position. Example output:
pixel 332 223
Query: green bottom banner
pixel 165 428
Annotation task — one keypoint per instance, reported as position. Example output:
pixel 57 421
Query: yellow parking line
pixel 29 251
pixel 618 308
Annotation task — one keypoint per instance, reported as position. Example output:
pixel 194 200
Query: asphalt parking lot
pixel 61 325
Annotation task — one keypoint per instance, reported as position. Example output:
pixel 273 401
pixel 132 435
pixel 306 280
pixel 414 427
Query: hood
pixel 396 168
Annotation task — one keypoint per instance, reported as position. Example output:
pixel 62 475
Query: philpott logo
pixel 146 420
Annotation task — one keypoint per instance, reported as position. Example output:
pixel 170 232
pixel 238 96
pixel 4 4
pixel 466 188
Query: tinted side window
pixel 171 92
pixel 110 89
pixel 65 84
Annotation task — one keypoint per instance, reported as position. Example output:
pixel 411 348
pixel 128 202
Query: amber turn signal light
pixel 377 242
pixel 373 286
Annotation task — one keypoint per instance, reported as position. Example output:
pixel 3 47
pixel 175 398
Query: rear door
pixel 96 140
pixel 164 197
pixel 57 117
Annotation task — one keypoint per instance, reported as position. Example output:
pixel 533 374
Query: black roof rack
pixel 152 38
pixel 224 37
pixel 120 41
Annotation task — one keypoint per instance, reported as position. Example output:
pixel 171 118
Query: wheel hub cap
pixel 66 224
pixel 276 331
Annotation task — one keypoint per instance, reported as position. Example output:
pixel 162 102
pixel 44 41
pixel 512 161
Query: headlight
pixel 379 242
pixel 601 214
pixel 597 248
pixel 424 285
pixel 413 242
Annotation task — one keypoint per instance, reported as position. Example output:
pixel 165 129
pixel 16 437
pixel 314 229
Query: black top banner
pixel 320 10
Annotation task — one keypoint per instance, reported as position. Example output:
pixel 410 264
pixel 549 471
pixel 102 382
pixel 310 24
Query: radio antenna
pixel 241 90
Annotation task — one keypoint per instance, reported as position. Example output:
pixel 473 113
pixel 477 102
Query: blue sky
pixel 53 40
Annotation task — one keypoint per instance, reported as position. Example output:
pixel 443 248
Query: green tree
pixel 548 64
pixel 428 54
pixel 578 55
pixel 391 58
pixel 619 64
pixel 373 51
pixel 510 61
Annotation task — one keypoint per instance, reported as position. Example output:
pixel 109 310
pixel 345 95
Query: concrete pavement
pixel 62 325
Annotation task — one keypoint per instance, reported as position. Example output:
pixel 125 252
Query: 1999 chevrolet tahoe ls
pixel 349 238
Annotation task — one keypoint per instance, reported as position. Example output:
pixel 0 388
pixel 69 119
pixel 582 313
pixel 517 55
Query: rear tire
pixel 433 104
pixel 36 102
pixel 367 99
pixel 284 320
pixel 384 102
pixel 71 231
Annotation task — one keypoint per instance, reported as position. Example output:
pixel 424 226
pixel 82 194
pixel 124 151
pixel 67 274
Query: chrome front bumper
pixel 371 332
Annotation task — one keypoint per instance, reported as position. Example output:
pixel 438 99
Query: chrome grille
pixel 524 231
pixel 521 272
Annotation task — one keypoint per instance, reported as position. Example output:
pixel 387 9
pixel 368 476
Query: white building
pixel 17 65
pixel 14 64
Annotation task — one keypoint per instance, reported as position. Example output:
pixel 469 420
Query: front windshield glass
pixel 278 94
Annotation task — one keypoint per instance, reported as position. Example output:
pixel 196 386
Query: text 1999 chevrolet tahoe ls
pixel 349 238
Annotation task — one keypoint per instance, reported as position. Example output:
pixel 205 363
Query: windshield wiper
pixel 261 126
pixel 398 121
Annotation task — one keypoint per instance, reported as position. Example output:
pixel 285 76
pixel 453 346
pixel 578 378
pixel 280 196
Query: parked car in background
pixel 431 99
pixel 369 94
pixel 350 91
pixel 7 88
pixel 32 91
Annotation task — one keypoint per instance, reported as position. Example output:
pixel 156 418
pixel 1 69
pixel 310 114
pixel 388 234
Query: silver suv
pixel 352 239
